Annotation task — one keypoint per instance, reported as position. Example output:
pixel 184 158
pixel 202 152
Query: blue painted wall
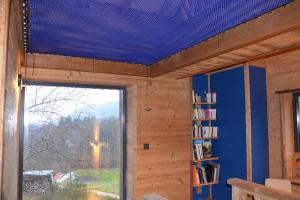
pixel 259 125
pixel 231 147
pixel 229 86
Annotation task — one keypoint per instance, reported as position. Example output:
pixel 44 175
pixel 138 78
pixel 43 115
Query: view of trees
pixel 62 127
pixel 67 144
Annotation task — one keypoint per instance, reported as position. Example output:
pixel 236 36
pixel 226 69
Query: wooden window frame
pixel 296 111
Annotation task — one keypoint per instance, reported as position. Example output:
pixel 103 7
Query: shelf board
pixel 203 103
pixel 199 120
pixel 206 159
pixel 205 138
pixel 205 184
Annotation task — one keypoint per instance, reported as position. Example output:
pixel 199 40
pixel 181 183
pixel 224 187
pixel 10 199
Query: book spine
pixel 196 178
pixel 204 175
pixel 214 97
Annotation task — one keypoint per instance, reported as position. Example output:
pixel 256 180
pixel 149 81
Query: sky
pixel 62 101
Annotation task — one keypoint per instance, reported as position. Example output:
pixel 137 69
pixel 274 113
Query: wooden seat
pixel 153 196
pixel 279 184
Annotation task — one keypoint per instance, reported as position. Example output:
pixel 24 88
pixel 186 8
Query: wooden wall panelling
pixel 84 65
pixel 159 115
pixel 14 56
pixel 4 16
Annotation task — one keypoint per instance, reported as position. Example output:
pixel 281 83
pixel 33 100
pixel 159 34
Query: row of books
pixel 205 131
pixel 202 149
pixel 205 114
pixel 209 173
pixel 210 97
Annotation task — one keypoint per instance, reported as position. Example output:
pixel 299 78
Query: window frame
pixel 296 111
pixel 123 110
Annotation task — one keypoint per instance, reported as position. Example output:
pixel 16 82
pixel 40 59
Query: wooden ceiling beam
pixel 282 20
pixel 57 62
pixel 262 56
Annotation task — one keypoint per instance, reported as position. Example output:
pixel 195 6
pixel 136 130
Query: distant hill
pixel 103 110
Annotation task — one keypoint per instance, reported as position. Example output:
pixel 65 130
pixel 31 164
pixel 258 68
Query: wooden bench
pixel 242 189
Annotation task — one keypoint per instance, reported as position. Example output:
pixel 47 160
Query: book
pixel 209 173
pixel 200 131
pixel 202 149
pixel 203 173
pixel 205 114
pixel 214 97
pixel 193 96
pixel 196 178
pixel 207 149
pixel 208 97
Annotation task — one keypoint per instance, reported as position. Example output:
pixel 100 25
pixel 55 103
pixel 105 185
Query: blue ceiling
pixel 134 31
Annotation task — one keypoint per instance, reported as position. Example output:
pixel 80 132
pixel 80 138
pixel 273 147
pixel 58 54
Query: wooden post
pixel 248 122
pixel 287 133
pixel 238 194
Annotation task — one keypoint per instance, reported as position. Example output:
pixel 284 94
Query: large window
pixel 72 143
pixel 296 100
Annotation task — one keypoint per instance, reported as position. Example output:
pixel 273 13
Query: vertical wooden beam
pixel 287 133
pixel 248 122
pixel 238 194
pixel 4 27
pixel 191 142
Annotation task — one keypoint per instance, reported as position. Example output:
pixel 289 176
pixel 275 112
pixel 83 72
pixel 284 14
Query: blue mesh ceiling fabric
pixel 134 31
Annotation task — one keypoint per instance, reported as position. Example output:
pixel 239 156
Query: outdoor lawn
pixel 104 180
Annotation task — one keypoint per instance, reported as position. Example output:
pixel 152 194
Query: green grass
pixel 108 179
pixel 69 192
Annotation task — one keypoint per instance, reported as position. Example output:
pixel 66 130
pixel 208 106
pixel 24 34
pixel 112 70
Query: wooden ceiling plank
pixel 283 40
pixel 248 52
pixel 204 64
pixel 280 21
pixel 260 48
pixel 233 55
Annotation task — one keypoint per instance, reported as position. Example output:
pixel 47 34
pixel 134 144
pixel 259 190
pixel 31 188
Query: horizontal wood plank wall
pixel 283 73
pixel 48 61
pixel 15 57
pixel 159 114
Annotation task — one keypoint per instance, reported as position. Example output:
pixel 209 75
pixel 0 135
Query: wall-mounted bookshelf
pixel 205 138
pixel 205 172
pixel 241 142
pixel 206 159
pixel 206 184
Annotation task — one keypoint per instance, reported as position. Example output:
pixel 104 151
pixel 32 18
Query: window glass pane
pixel 71 143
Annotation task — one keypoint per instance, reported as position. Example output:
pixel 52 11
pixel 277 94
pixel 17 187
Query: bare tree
pixel 52 137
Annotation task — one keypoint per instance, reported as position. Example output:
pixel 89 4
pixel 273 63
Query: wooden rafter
pixel 270 25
